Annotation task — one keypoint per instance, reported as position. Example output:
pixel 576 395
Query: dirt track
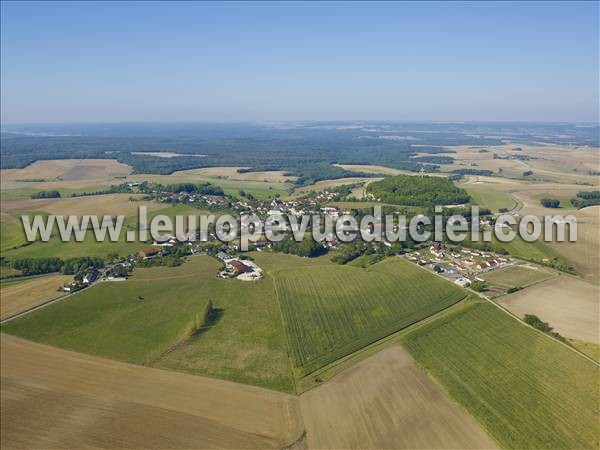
pixel 386 401
pixel 53 398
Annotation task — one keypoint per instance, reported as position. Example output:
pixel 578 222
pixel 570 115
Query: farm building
pixel 148 252
pixel 240 266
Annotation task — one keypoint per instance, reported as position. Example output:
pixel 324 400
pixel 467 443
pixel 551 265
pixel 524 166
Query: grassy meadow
pixel 516 276
pixel 140 319
pixel 527 390
pixel 89 246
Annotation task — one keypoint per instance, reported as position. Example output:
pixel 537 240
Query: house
pixel 240 266
pixel 149 252
pixel 463 282
pixel 90 276
pixel 223 256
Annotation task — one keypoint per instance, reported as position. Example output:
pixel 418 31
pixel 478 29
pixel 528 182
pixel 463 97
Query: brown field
pixel 68 169
pixel 276 176
pixel 568 304
pixel 563 164
pixel 386 401
pixel 20 296
pixel 373 169
pixel 328 184
pixel 517 276
pixel 585 253
pixel 54 398
pixel 110 204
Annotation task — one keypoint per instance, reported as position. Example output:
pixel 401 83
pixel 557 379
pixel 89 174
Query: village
pixel 462 266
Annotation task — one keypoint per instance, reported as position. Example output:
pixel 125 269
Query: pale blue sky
pixel 153 61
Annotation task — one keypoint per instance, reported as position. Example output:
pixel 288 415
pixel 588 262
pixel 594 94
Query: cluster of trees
pixel 536 322
pixel 482 172
pixel 417 191
pixel 114 189
pixel 72 266
pixel 35 266
pixel 190 188
pixel 46 194
pixel 308 247
pixel 550 202
pixel 352 250
pixel 478 286
pixel 586 198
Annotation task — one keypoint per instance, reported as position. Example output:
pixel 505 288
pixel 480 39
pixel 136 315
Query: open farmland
pixel 387 401
pixel 67 169
pixel 331 184
pixel 568 304
pixel 140 319
pixel 55 247
pixel 330 311
pixel 52 398
pixel 109 204
pixel 527 390
pixel 18 296
pixel 517 276
pixel 485 197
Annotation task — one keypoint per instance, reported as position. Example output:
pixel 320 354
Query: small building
pixel 90 276
pixel 149 252
pixel 462 282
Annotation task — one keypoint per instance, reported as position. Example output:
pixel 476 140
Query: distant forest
pixel 306 151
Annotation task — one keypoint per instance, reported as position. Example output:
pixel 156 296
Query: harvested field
pixel 109 204
pixel 275 176
pixel 585 253
pixel 558 163
pixel 525 388
pixel 387 401
pixel 568 304
pixel 329 184
pixel 330 311
pixel 16 297
pixel 53 398
pixel 374 169
pixel 68 169
pixel 517 276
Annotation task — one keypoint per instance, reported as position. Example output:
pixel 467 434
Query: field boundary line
pixel 285 335
pixel 47 303
pixel 480 295
pixel 376 346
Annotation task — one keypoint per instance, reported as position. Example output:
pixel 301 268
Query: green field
pixel 138 320
pixel 527 390
pixel 330 311
pixel 89 246
pixel 516 276
pixel 489 198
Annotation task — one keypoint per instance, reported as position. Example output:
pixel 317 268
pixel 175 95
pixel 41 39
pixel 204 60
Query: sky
pixel 426 61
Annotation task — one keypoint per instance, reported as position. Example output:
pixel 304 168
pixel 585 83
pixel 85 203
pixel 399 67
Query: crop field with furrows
pixel 17 296
pixel 331 311
pixel 526 389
